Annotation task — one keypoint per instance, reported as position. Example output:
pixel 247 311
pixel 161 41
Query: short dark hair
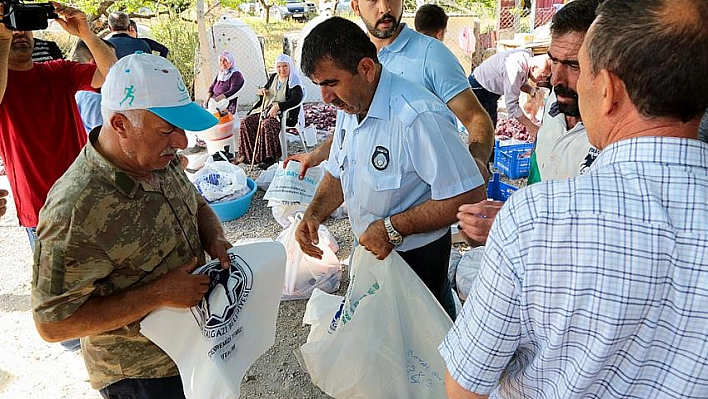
pixel 118 21
pixel 659 49
pixel 134 25
pixel 339 40
pixel 430 19
pixel 576 16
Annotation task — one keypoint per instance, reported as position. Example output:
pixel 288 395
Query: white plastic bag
pixel 318 313
pixel 215 343
pixel 385 342
pixel 284 213
pixel 266 177
pixel 218 180
pixel 304 273
pixel 341 212
pixel 287 186
pixel 467 270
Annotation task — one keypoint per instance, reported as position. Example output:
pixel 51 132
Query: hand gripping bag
pixel 304 273
pixel 215 343
pixel 382 343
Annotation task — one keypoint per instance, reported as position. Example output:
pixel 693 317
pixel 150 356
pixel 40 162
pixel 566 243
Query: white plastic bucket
pixel 228 144
pixel 220 131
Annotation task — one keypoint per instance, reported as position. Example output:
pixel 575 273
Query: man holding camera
pixel 40 127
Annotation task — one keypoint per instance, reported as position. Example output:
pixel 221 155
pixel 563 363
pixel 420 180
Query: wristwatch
pixel 394 237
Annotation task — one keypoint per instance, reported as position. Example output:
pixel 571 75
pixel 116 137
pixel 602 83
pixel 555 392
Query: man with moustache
pixel 425 61
pixel 562 149
pixel 596 286
pixel 40 126
pixel 123 229
pixel 396 159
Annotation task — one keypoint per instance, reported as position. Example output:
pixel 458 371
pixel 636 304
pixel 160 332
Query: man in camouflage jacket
pixel 122 231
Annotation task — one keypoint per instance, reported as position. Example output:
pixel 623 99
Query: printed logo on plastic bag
pixel 218 313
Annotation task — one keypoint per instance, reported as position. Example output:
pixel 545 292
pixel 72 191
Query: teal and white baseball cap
pixel 146 81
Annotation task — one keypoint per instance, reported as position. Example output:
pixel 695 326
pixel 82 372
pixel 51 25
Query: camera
pixel 27 17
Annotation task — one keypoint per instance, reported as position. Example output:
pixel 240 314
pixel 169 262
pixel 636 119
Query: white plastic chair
pixel 299 126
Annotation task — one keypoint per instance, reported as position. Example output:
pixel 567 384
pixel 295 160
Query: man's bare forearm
pixel 321 153
pixel 104 56
pixel 481 137
pixel 328 198
pixel 434 214
pixel 4 60
pixel 469 111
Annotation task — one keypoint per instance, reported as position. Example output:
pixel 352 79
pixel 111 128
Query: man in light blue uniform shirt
pixel 425 61
pixel 396 157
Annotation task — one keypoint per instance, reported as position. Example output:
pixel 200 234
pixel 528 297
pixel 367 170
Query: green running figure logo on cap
pixel 128 95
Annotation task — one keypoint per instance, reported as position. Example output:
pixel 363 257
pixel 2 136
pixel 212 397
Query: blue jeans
pixel 145 388
pixel 32 235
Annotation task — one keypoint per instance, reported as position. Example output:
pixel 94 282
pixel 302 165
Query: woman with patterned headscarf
pixel 282 91
pixel 227 83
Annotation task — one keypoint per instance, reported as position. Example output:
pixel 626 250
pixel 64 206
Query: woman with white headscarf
pixel 227 83
pixel 282 91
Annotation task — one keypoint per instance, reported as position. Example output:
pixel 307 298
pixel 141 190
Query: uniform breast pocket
pixel 382 192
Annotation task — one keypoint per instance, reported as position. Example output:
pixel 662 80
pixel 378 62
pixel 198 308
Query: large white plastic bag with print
pixel 320 313
pixel 386 337
pixel 215 343
pixel 218 180
pixel 304 273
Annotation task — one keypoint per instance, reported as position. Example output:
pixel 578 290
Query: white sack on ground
pixel 215 343
pixel 266 177
pixel 467 270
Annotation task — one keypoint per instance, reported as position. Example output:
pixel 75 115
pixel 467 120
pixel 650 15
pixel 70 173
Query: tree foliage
pixel 135 8
pixel 183 9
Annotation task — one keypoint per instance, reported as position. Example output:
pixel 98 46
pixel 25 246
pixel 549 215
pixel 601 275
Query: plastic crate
pixel 498 190
pixel 508 159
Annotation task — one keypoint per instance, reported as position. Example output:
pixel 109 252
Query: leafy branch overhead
pixel 146 9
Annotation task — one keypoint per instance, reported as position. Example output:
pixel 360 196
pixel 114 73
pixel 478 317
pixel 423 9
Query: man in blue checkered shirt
pixel 597 286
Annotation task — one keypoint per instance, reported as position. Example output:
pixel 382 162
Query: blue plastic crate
pixel 498 190
pixel 510 159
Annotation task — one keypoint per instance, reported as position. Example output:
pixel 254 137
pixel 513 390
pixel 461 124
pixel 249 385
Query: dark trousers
pixel 145 388
pixel 488 99
pixel 430 262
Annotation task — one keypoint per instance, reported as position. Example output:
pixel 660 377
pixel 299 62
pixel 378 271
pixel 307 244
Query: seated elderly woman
pixel 282 91
pixel 227 83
